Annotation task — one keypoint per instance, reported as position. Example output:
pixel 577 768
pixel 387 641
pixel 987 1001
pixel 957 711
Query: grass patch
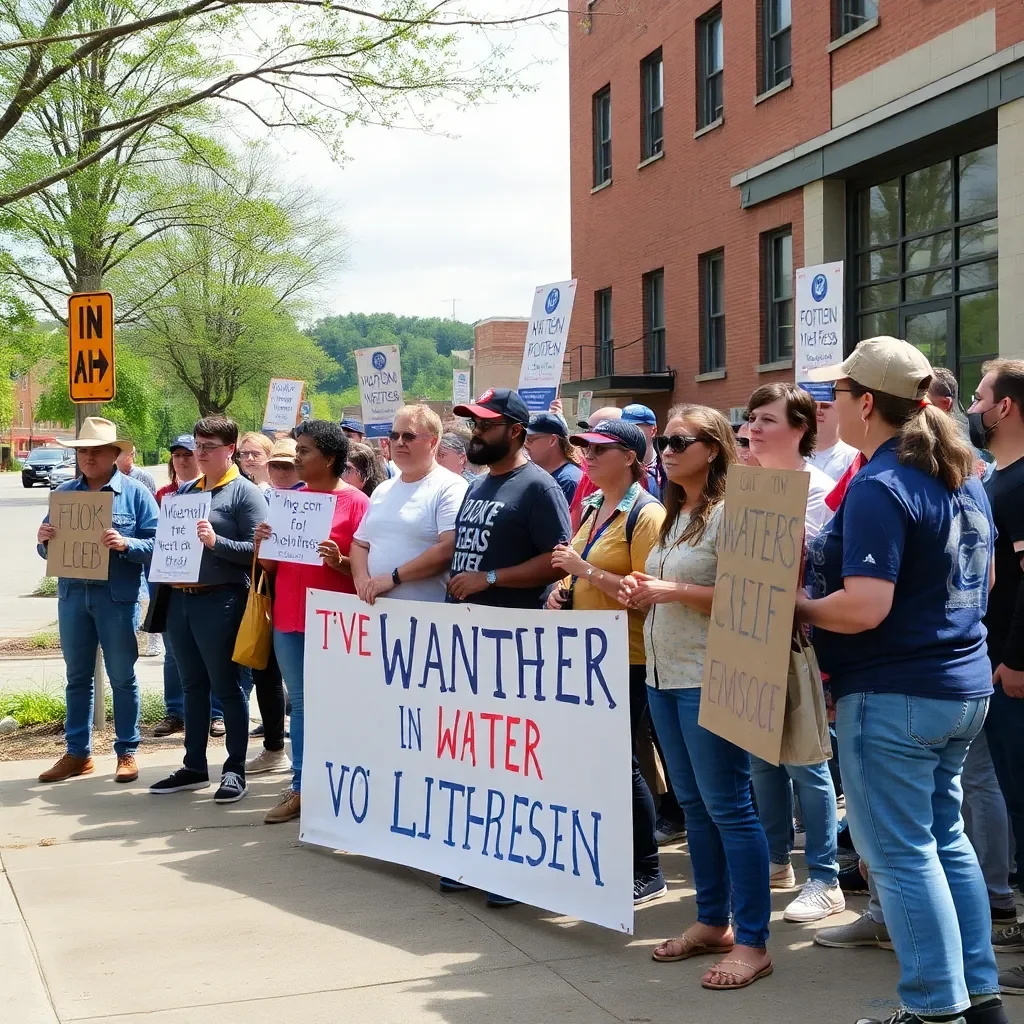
pixel 46 587
pixel 43 707
pixel 45 640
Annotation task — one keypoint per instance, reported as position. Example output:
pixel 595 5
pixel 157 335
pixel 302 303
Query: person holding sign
pixel 321 454
pixel 900 583
pixel 710 775
pixel 93 612
pixel 621 523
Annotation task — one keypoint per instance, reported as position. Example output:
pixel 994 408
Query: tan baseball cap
pixel 884 364
pixel 283 451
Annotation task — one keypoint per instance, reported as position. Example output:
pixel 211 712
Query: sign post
pixel 546 338
pixel 819 324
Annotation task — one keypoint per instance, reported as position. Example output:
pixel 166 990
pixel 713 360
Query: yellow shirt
pixel 230 475
pixel 612 554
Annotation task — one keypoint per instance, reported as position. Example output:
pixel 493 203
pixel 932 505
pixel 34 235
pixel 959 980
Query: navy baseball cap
pixel 353 425
pixel 639 414
pixel 186 441
pixel 615 432
pixel 548 423
pixel 496 402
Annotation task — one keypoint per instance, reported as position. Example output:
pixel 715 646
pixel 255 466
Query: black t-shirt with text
pixel 1005 616
pixel 507 520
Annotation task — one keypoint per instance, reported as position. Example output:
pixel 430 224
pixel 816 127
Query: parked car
pixel 36 468
pixel 61 475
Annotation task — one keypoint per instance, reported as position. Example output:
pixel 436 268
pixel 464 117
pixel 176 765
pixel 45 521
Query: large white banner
pixel 380 387
pixel 819 324
pixel 177 549
pixel 546 338
pixel 489 745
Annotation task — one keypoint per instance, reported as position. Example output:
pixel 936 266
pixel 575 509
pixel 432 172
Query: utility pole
pixel 452 301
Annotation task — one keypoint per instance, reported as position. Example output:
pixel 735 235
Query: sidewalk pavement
pixel 173 910
pixel 48 674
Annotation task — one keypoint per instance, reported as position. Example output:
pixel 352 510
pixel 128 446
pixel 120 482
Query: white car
pixel 61 475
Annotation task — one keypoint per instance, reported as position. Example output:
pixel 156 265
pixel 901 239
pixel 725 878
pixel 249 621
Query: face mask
pixel 980 432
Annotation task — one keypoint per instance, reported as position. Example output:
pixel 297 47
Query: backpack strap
pixel 643 498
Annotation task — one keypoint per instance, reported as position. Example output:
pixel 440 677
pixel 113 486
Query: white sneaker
pixel 782 876
pixel 268 761
pixel 816 902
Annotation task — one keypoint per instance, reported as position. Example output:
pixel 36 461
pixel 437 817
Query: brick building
pixel 715 148
pixel 26 431
pixel 498 348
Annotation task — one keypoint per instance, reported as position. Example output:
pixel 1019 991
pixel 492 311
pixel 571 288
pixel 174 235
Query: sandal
pixel 689 946
pixel 738 980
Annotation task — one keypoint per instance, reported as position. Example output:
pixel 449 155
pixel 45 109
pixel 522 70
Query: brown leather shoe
pixel 287 810
pixel 127 769
pixel 68 767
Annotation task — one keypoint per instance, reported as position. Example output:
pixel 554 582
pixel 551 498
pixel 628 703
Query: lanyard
pixel 595 535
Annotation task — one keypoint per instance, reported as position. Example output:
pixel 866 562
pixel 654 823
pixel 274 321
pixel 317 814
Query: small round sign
pixel 554 296
pixel 305 409
pixel 819 287
pixel 379 360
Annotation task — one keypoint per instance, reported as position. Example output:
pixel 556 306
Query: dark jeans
pixel 202 627
pixel 174 695
pixel 1004 728
pixel 269 689
pixel 645 817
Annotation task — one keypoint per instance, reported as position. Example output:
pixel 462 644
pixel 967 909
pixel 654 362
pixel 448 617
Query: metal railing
pixel 604 357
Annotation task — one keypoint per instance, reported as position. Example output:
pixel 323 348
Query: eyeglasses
pixel 181 453
pixel 742 442
pixel 349 468
pixel 249 454
pixel 592 451
pixel 677 442
pixel 205 449
pixel 482 425
pixel 406 436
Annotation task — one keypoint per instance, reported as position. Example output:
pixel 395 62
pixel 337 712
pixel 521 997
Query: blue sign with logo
pixel 819 287
pixel 554 296
pixel 305 409
pixel 379 360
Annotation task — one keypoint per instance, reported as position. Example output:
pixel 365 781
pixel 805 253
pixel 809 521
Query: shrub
pixel 46 587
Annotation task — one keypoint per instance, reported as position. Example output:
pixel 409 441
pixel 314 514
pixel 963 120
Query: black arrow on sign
pixel 99 362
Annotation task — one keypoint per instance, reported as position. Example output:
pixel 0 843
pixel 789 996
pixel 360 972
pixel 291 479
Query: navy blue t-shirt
pixel 897 523
pixel 568 476
pixel 507 520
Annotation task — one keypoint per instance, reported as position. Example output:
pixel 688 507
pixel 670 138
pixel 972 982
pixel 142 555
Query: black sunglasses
pixel 742 442
pixel 677 442
pixel 406 436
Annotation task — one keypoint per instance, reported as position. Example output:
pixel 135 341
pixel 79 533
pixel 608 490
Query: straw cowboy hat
pixel 99 433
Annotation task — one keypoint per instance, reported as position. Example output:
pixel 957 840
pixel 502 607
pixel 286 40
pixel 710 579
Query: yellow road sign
pixel 91 347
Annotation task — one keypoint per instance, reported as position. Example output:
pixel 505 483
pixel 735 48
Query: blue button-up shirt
pixel 135 517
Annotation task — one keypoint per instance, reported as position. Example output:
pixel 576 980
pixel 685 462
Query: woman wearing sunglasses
pixel 710 775
pixel 619 527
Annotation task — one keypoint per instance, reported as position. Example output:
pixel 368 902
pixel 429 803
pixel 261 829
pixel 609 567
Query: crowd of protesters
pixel 914 604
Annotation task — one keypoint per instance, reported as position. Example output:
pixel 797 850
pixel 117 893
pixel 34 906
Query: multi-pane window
pixel 603 136
pixel 654 322
pixel 849 15
pixel 652 100
pixel 926 264
pixel 778 290
pixel 777 60
pixel 711 51
pixel 712 288
pixel 603 340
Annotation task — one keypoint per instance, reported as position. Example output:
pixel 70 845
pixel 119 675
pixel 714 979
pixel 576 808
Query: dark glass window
pixel 778 290
pixel 652 90
pixel 713 308
pixel 926 262
pixel 603 339
pixel 654 322
pixel 777 60
pixel 603 136
pixel 849 15
pixel 711 48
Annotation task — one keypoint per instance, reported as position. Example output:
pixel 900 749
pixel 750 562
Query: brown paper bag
pixel 805 738
pixel 256 632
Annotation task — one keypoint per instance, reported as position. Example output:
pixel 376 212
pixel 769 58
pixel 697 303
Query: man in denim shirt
pixel 91 612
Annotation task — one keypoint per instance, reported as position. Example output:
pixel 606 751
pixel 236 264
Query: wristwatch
pixel 395 578
pixel 492 578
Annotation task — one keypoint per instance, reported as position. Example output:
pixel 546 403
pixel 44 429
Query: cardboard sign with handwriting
pixel 80 519
pixel 746 663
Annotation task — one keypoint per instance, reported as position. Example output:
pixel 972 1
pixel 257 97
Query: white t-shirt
pixel 405 519
pixel 834 461
pixel 818 513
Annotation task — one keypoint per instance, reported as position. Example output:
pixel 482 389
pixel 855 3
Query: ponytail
pixel 928 439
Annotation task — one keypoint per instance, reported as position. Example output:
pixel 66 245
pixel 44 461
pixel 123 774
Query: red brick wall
pixel 499 346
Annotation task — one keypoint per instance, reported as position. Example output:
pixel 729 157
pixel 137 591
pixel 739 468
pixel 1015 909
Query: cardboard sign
pixel 819 324
pixel 546 338
pixel 746 662
pixel 300 520
pixel 80 519
pixel 379 371
pixel 490 745
pixel 177 549
pixel 284 402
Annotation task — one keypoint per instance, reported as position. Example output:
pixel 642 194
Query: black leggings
pixel 645 818
pixel 269 689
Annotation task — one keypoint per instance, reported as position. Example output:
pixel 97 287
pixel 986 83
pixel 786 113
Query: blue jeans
pixel 773 790
pixel 174 695
pixel 728 849
pixel 290 649
pixel 901 759
pixel 1003 730
pixel 202 628
pixel 87 617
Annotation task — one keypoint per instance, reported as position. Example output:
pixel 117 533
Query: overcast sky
pixel 481 218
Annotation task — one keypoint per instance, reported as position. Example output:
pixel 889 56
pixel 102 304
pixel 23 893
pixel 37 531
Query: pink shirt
pixel 291 580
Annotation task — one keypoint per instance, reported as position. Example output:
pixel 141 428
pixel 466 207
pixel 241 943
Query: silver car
pixel 61 475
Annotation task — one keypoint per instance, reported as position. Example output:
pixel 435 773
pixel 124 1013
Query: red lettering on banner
pixel 326 614
pixel 532 742
pixel 489 716
pixel 469 739
pixel 448 737
pixel 363 620
pixel 510 744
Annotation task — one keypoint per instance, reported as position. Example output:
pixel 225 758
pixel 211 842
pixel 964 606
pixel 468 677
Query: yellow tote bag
pixel 256 632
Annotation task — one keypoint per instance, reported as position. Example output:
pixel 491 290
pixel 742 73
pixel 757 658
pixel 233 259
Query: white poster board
pixel 299 521
pixel 819 324
pixel 461 392
pixel 177 549
pixel 583 404
pixel 489 745
pixel 547 335
pixel 379 371
pixel 284 400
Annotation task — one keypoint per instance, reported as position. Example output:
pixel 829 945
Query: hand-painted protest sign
pixel 177 549
pixel 461 393
pixel 746 661
pixel 819 324
pixel 80 519
pixel 284 400
pixel 583 403
pixel 489 745
pixel 546 337
pixel 300 520
pixel 379 371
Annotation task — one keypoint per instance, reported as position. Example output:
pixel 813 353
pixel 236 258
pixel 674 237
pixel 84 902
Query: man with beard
pixel 510 521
